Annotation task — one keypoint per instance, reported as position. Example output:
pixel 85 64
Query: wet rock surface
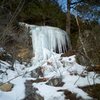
pixel 69 95
pixel 30 92
pixel 6 57
pixel 92 90
pixel 37 73
pixel 69 53
pixel 55 82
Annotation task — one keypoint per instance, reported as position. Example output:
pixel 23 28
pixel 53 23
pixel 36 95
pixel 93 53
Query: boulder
pixel 69 95
pixel 37 73
pixel 6 87
pixel 55 82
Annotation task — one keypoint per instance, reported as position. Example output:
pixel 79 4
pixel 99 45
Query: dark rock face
pixel 69 95
pixel 30 92
pixel 69 53
pixel 34 97
pixel 92 90
pixel 4 56
pixel 55 82
pixel 37 72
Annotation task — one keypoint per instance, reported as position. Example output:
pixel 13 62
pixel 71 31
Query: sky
pixel 63 3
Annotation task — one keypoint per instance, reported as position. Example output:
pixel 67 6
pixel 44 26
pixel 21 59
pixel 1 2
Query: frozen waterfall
pixel 46 39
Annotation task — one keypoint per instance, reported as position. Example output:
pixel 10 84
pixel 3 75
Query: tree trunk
pixel 68 21
pixel 68 17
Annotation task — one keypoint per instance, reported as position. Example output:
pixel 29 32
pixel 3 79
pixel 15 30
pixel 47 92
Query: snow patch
pixel 49 92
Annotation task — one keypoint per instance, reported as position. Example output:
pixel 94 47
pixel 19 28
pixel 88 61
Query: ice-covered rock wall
pixel 46 39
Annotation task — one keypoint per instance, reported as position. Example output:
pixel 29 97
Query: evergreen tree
pixel 41 12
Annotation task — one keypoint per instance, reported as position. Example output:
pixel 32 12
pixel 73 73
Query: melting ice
pixel 46 39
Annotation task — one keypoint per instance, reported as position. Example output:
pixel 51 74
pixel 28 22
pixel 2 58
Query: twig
pixel 82 43
pixel 12 79
pixel 18 9
pixel 79 77
pixel 88 80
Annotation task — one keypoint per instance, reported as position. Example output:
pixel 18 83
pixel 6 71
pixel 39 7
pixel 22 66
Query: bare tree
pixel 68 17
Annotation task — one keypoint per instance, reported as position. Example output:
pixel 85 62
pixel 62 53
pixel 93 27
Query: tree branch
pixel 76 2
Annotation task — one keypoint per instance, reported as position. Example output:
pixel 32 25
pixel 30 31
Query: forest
pixel 49 49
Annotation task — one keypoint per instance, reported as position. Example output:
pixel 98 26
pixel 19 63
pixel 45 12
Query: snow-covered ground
pixel 56 66
pixel 45 41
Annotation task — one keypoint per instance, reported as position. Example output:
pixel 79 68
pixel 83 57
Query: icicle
pixel 46 38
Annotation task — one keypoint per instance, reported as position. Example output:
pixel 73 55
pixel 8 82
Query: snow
pixel 4 64
pixel 49 38
pixel 49 92
pixel 17 93
pixel 1 49
pixel 56 66
pixel 45 40
pixel 72 82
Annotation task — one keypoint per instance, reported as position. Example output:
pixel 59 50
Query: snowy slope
pixel 63 67
pixel 52 65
